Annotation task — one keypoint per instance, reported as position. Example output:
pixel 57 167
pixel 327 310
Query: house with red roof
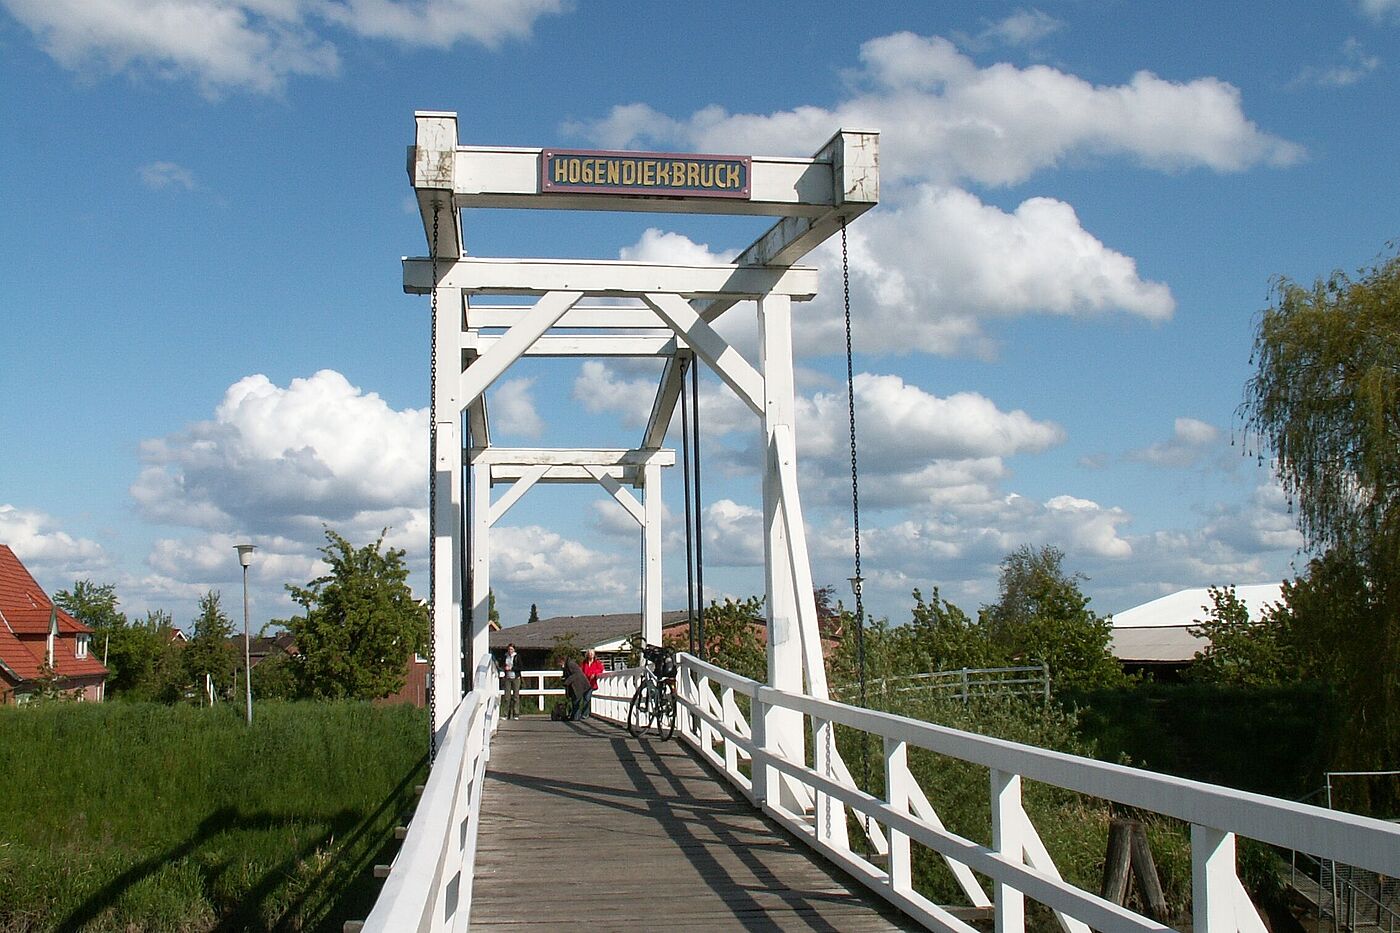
pixel 40 642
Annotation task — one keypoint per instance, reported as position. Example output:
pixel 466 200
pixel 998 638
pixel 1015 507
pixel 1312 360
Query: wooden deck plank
pixel 584 826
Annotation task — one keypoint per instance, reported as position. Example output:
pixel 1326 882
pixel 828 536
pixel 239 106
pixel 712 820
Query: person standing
pixel 510 670
pixel 576 685
pixel 592 669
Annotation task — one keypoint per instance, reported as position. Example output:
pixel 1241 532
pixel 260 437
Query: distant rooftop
pixel 1158 632
pixel 587 631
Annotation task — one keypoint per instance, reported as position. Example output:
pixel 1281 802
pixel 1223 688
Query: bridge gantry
pixel 773 743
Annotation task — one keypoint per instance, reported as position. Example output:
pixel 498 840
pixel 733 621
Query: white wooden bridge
pixel 760 761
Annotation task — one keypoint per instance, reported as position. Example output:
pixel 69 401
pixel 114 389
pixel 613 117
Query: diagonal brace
pixel 726 361
pixel 509 348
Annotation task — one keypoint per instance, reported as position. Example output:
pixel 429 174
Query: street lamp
pixel 245 557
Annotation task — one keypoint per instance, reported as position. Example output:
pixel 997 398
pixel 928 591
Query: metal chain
pixel 432 507
pixel 830 726
pixel 855 496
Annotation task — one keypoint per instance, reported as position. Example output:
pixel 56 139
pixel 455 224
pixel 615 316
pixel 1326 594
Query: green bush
pixel 175 818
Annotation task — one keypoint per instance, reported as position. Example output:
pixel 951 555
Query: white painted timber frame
pixel 670 315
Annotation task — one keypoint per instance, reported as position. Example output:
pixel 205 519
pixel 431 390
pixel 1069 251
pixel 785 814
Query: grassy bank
pixel 143 817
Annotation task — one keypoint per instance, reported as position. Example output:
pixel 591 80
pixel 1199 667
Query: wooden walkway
pixel 584 827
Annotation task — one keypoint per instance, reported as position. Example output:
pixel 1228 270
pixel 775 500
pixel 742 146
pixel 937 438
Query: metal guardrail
pixel 429 887
pixel 813 801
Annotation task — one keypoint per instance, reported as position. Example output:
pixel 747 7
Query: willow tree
pixel 1325 399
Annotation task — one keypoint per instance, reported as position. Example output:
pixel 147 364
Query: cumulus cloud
pixel 945 119
pixel 277 460
pixel 159 176
pixel 1190 441
pixel 44 547
pixel 254 45
pixel 537 560
pixel 929 272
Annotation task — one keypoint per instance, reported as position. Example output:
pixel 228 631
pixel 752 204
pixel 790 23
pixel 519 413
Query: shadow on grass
pixel 341 888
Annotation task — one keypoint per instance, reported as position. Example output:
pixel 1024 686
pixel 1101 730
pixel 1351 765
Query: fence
pixel 539 691
pixel 812 802
pixel 963 684
pixel 429 886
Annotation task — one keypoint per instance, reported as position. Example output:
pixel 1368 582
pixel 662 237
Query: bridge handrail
pixel 431 879
pixel 1216 814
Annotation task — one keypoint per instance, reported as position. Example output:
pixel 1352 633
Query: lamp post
pixel 245 557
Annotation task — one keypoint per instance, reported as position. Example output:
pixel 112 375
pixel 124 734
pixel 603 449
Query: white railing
pixel 429 887
pixel 812 802
pixel 539 691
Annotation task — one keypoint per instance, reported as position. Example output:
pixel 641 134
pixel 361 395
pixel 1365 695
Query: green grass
pixel 138 817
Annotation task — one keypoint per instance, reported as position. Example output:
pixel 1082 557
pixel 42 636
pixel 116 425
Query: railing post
pixel 1007 840
pixel 897 780
pixel 762 773
pixel 731 722
pixel 1212 880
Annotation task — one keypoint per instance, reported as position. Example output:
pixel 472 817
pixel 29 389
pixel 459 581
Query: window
pixel 82 646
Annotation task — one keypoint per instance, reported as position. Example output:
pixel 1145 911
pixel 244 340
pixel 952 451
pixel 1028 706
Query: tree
pixel 1325 399
pixel 944 637
pixel 1042 616
pixel 1243 652
pixel 361 625
pixel 534 614
pixel 210 653
pixel 731 637
pixel 493 616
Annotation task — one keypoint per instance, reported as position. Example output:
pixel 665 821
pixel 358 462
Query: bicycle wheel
pixel 666 715
pixel 639 711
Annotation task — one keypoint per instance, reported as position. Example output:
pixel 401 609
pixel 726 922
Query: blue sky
pixel 1083 206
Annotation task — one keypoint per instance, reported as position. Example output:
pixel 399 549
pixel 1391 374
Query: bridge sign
pixel 652 174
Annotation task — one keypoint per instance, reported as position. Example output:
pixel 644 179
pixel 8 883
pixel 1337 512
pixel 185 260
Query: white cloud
pixel 1190 441
pixel 161 175
pixel 42 547
pixel 254 45
pixel 927 273
pixel 1382 11
pixel 1356 64
pixel 536 560
pixel 1024 27
pixel 945 119
pixel 661 246
pixel 440 23
pixel 600 388
pixel 513 409
pixel 733 534
pixel 285 460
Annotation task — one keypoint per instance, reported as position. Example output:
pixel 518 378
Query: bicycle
pixel 654 703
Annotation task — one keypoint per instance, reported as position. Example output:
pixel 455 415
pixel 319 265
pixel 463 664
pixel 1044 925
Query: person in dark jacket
pixel 576 685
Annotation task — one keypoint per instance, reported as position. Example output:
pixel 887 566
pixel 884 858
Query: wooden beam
pixel 623 497
pixel 566 475
pixel 502 505
pixel 597 317
pixel 726 361
pixel 487 369
pixel 582 345
pixel 431 170
pixel 611 278
pixel 505 177
pixel 583 456
pixel 662 407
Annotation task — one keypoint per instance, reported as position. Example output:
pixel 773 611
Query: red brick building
pixel 39 641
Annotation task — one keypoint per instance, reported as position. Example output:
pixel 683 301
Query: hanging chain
pixel 851 407
pixel 830 726
pixel 855 497
pixel 432 506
